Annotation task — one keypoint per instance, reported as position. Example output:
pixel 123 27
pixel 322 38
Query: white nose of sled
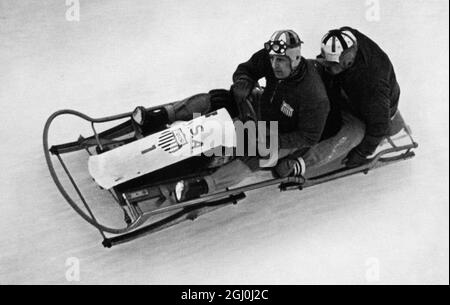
pixel 162 149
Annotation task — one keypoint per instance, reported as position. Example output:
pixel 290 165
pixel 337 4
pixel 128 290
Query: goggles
pixel 277 46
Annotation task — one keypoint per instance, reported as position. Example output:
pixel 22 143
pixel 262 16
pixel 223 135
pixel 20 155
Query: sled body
pixel 156 151
pixel 138 170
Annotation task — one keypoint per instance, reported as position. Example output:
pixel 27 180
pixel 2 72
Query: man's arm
pixel 310 127
pixel 253 69
pixel 246 76
pixel 311 123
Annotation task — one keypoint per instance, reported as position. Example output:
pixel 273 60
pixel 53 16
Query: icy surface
pixel 388 227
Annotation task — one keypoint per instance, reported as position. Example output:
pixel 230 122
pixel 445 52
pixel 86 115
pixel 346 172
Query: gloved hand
pixel 290 166
pixel 355 158
pixel 241 89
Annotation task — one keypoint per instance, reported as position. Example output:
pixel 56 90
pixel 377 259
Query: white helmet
pixel 335 42
pixel 285 43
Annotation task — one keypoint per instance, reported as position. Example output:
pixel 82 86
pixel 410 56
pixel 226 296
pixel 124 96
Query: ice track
pixel 127 53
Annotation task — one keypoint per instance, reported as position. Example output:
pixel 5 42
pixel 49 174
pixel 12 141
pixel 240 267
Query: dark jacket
pixel 372 91
pixel 299 104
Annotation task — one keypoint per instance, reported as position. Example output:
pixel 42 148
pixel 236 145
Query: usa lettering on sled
pixel 138 170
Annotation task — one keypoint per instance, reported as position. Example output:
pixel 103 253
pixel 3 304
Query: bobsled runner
pixel 139 169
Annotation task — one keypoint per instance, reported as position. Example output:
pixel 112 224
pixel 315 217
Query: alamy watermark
pixel 73 10
pixel 73 269
pixel 373 13
pixel 214 136
pixel 372 270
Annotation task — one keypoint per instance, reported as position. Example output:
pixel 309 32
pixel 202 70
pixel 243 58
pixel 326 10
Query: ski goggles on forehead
pixel 277 46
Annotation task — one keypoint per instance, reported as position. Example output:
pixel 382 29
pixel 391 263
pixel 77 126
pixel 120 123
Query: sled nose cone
pixel 96 169
pixel 139 115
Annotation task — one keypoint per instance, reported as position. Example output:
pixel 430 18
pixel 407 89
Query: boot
pixel 150 121
pixel 190 189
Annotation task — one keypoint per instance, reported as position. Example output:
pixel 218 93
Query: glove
pixel 241 89
pixel 290 166
pixel 355 158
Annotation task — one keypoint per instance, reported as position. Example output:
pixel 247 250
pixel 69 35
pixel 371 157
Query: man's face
pixel 346 60
pixel 281 66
